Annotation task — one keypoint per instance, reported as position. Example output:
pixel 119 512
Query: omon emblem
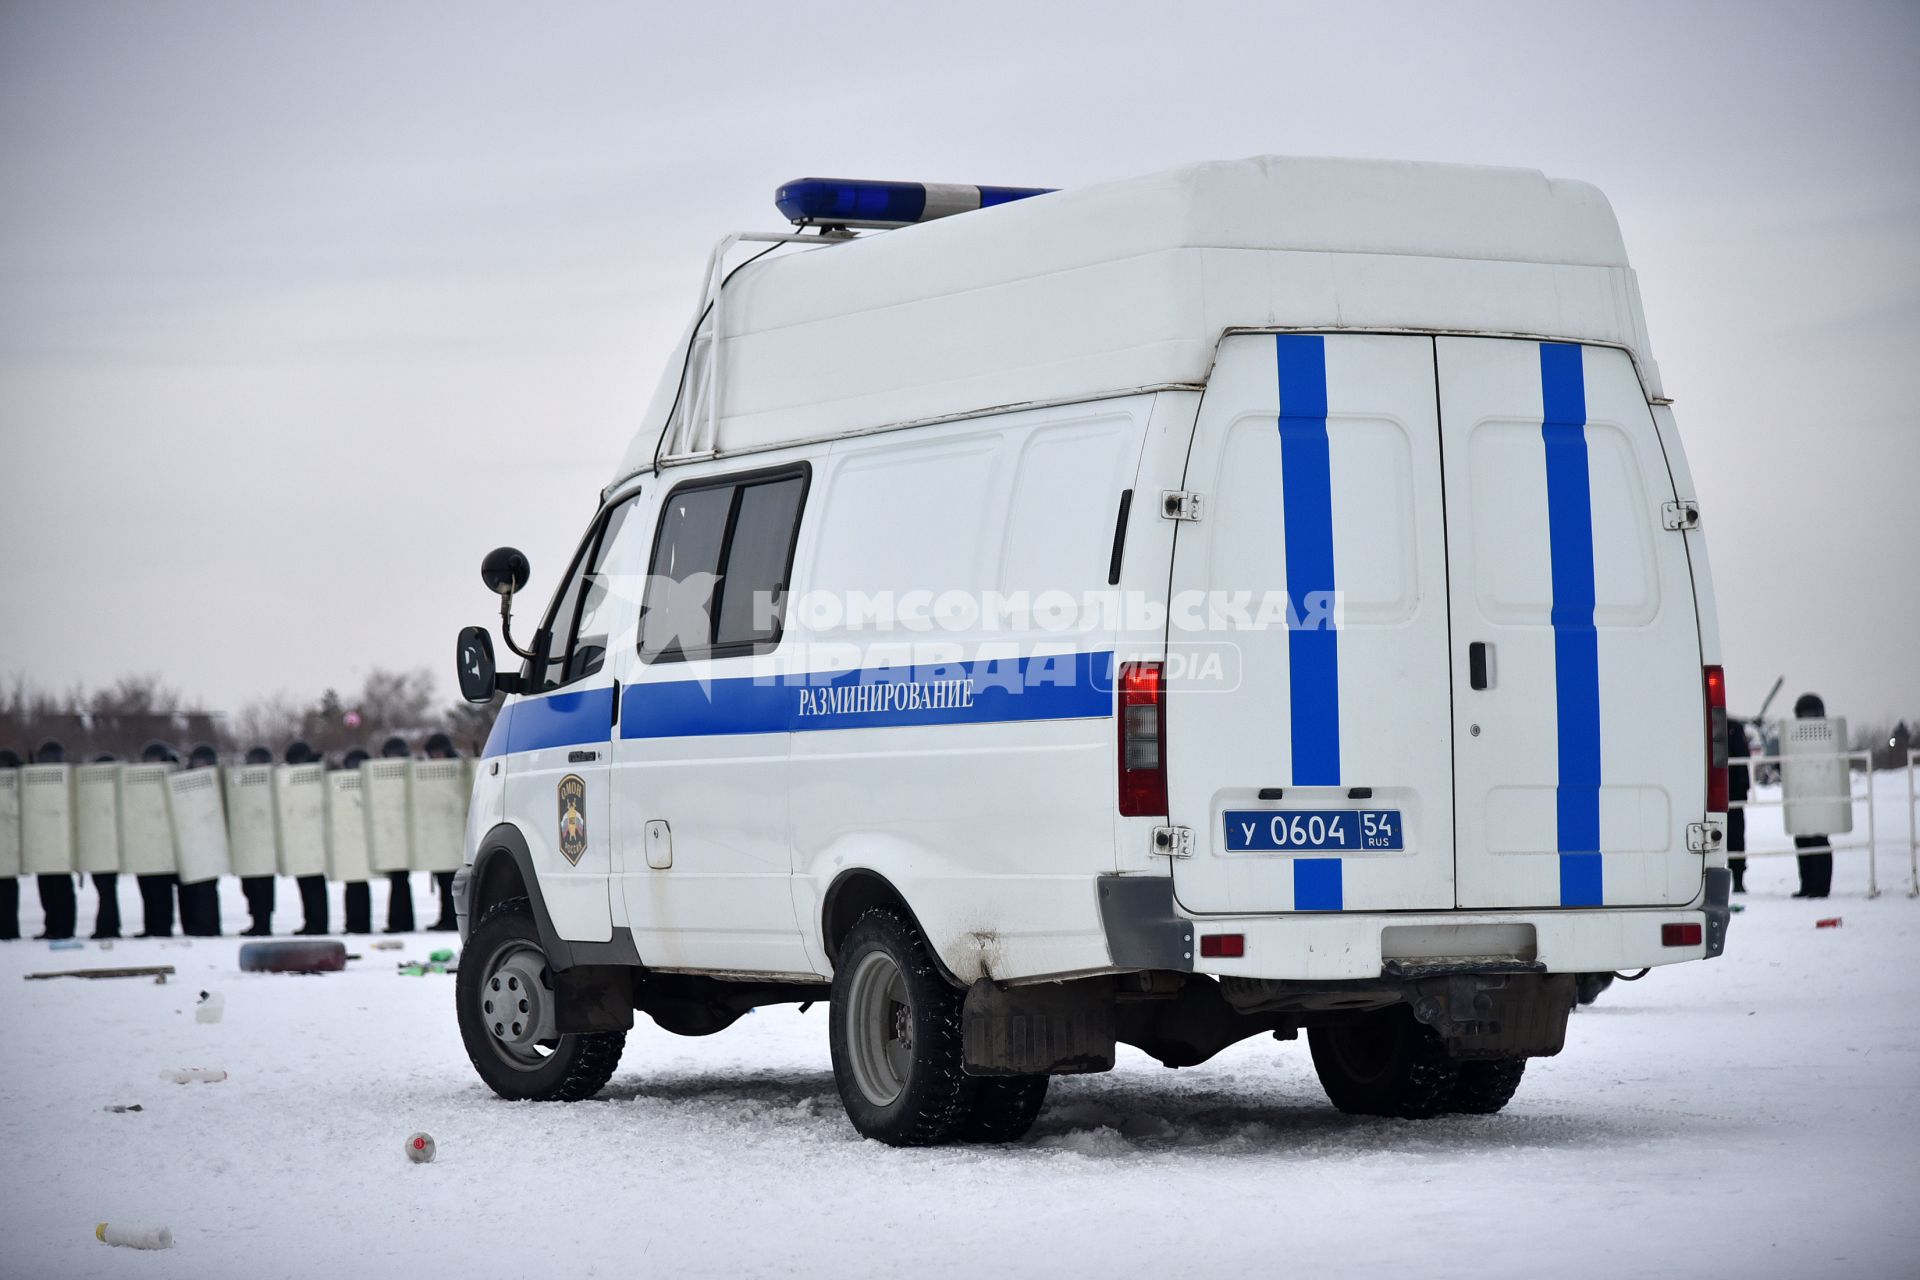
pixel 573 818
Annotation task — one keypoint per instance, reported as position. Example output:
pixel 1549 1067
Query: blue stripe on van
pixel 1055 687
pixel 1316 884
pixel 1306 483
pixel 564 719
pixel 1576 652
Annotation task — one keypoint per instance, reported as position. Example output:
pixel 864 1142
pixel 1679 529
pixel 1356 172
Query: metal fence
pixel 1871 845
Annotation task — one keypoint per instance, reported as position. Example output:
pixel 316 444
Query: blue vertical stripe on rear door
pixel 1576 654
pixel 1313 656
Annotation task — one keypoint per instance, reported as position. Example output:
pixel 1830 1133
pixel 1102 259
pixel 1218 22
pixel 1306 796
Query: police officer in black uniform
pixel 1737 783
pixel 106 887
pixel 399 883
pixel 439 746
pixel 156 891
pixel 1816 869
pixel 258 890
pixel 56 890
pixel 359 892
pixel 200 903
pixel 9 885
pixel 313 889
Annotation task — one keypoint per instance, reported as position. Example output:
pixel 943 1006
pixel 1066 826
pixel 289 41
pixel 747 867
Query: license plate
pixel 1329 830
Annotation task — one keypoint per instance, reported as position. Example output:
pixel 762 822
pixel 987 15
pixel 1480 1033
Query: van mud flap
pixel 1049 1028
pixel 1496 1015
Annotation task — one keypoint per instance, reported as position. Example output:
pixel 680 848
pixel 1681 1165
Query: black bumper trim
pixel 1143 930
pixel 1718 913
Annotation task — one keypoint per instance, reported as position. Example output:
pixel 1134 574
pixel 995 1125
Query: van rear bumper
pixel 1352 945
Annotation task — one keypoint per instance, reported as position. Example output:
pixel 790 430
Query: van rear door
pixel 1313 766
pixel 1579 732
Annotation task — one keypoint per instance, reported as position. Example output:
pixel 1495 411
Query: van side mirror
pixel 473 664
pixel 505 571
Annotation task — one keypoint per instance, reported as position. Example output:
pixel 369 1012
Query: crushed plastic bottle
pixel 193 1075
pixel 134 1237
pixel 212 1005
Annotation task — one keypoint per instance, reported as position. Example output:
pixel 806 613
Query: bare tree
pixel 269 722
pixel 134 695
pixel 468 724
pixel 395 702
pixel 124 716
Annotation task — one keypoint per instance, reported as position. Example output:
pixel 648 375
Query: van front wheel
pixel 1384 1063
pixel 894 1028
pixel 504 992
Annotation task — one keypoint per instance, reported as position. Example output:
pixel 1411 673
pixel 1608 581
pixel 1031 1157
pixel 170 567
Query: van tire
pixel 906 1090
pixel 1486 1085
pixel 566 1068
pixel 1003 1108
pixel 1384 1063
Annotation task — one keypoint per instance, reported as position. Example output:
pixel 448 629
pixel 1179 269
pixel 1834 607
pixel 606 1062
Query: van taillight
pixel 1143 759
pixel 1716 740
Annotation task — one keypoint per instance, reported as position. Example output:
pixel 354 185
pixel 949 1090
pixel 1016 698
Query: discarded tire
pixel 297 955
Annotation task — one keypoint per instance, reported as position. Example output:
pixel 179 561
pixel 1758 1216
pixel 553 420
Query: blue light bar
pixel 854 202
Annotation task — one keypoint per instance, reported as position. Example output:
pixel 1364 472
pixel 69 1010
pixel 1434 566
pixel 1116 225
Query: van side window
pixel 720 567
pixel 608 594
pixel 576 630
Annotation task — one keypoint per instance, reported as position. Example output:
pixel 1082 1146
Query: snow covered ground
pixel 1758 1115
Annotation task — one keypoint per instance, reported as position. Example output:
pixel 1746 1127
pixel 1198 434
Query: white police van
pixel 1261 597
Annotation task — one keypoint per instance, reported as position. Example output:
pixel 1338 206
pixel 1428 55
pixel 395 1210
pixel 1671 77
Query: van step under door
pixel 1579 733
pixel 1313 766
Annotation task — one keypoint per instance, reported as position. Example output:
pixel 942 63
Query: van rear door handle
pixel 1477 664
pixel 582 757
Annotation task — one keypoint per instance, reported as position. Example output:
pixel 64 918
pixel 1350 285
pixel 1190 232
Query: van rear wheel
pixel 1484 1087
pixel 1003 1108
pixel 1384 1063
pixel 894 1028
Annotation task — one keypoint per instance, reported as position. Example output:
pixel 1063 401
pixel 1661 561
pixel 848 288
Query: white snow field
pixel 1753 1116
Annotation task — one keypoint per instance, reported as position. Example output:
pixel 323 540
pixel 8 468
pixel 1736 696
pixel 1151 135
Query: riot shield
pixel 437 814
pixel 384 790
pixel 96 818
pixel 146 832
pixel 199 813
pixel 250 820
pixel 299 809
pixel 347 826
pixel 46 819
pixel 1816 779
pixel 9 822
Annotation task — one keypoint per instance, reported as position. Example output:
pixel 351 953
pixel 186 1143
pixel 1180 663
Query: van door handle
pixel 1477 664
pixel 582 757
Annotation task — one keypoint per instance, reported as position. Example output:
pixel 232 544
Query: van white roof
pixel 1128 285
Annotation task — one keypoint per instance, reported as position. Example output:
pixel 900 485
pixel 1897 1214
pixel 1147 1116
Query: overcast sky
pixel 303 307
